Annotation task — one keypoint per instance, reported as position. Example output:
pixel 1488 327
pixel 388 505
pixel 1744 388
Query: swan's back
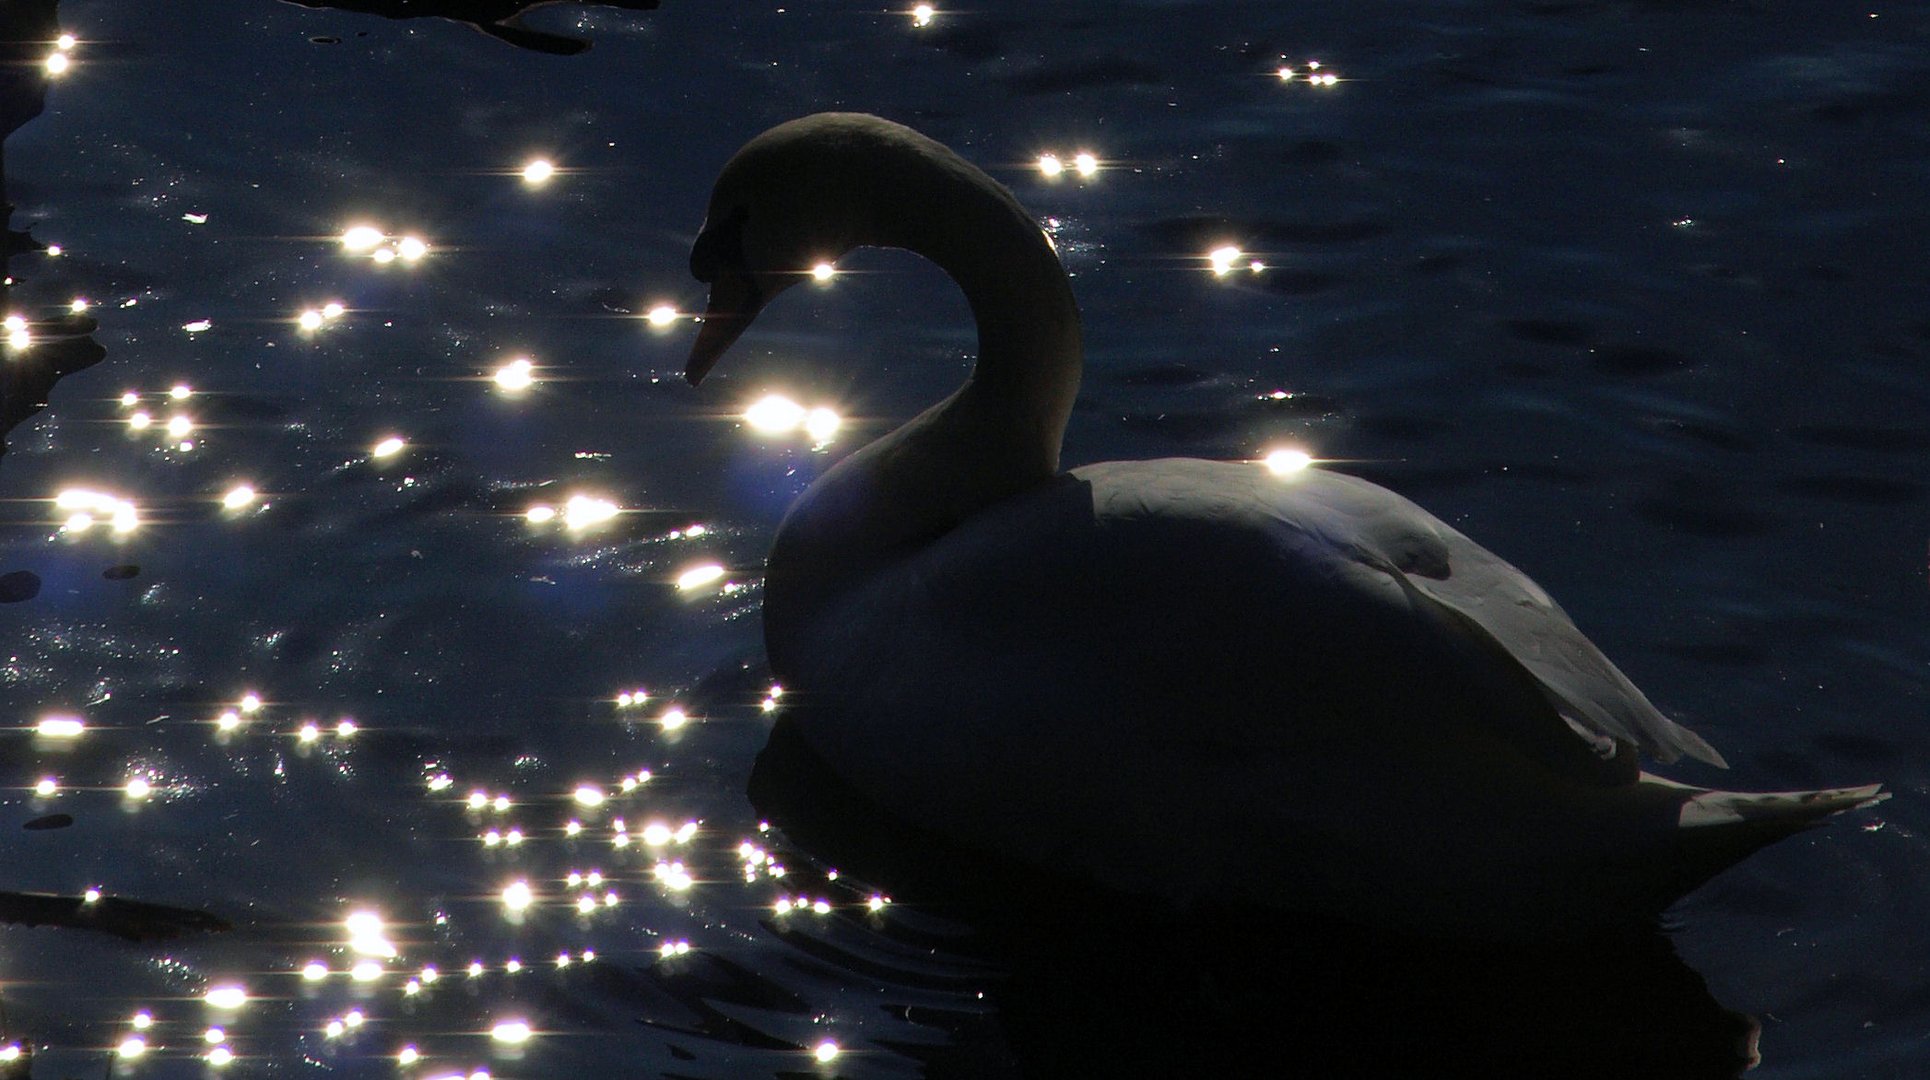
pixel 1170 673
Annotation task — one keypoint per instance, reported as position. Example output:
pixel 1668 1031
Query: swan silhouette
pixel 1194 681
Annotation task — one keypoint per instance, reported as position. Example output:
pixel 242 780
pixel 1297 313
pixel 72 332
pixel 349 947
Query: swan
pixel 1192 681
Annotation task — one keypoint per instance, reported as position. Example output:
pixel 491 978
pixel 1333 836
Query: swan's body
pixel 1193 680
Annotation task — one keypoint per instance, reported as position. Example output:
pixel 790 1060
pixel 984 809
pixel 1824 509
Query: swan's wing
pixel 1186 604
pixel 1495 601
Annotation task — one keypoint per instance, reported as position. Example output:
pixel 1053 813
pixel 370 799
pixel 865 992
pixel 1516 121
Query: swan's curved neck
pixel 998 435
pixel 1029 351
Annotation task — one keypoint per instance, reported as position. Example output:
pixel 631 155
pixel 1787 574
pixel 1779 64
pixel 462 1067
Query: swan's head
pixel 803 193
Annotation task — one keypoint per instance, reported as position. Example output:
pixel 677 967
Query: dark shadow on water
pixel 60 344
pixel 500 19
pixel 1104 985
pixel 38 348
pixel 130 920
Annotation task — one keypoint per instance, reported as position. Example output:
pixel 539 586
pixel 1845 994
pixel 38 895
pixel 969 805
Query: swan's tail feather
pixel 1794 810
pixel 1718 829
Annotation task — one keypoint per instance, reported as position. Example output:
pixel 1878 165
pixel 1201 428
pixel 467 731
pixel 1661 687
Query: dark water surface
pixel 1634 293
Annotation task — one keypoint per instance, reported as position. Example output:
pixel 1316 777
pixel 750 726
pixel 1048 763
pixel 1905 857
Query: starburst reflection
pixel 821 425
pixel 699 576
pixel 517 375
pixel 367 935
pixel 583 511
pixel 362 238
pixel 774 414
pixel 1287 461
pixel 512 1032
pixel 374 244
pixel 314 319
pixel 1084 164
pixel 673 876
pixel 60 727
pixel 1313 76
pixel 538 172
pixel 922 14
pixel 81 506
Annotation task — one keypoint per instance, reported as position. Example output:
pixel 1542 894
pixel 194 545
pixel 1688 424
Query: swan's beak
pixel 735 300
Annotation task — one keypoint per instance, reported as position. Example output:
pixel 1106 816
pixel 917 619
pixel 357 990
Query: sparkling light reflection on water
pixel 354 704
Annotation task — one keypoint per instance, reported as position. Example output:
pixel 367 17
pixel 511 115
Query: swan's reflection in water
pixel 1102 985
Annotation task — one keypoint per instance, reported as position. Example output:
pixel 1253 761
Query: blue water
pixel 1633 293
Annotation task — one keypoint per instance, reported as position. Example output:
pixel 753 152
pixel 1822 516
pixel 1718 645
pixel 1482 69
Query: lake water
pixel 1634 293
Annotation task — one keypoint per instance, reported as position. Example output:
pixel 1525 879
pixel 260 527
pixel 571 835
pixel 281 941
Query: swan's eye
pixel 720 248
